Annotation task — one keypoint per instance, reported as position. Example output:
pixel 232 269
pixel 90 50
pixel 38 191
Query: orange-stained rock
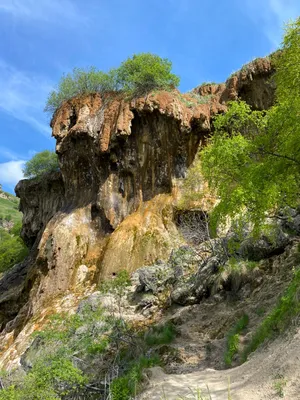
pixel 253 83
pixel 142 238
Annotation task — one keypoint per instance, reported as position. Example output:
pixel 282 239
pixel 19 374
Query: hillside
pixel 9 209
pixel 12 248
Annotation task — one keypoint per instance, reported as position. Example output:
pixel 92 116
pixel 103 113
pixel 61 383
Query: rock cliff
pixel 111 206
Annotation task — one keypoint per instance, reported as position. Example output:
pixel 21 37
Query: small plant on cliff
pixel 80 82
pixel 41 163
pixel 137 76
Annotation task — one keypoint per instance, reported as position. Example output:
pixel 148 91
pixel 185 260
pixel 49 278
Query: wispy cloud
pixel 23 96
pixel 271 15
pixel 7 154
pixel 56 11
pixel 11 172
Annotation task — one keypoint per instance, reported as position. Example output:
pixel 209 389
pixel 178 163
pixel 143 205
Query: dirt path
pixel 255 380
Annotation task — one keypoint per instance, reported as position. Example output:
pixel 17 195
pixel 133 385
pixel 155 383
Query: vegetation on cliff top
pixel 136 76
pixel 252 162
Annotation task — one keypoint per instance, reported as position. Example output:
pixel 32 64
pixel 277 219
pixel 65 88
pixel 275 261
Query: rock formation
pixel 111 206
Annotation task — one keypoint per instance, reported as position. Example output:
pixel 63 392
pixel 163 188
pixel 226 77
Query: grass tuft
pixel 233 339
pixel 161 334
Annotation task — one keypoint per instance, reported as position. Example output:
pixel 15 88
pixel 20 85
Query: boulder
pixel 154 278
pixel 264 247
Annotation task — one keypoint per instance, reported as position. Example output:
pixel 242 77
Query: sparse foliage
pixel 137 76
pixel 279 385
pixel 79 82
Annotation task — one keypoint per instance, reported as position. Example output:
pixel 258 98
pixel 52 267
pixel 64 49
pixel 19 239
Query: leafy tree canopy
pixel 41 163
pixel 136 76
pixel 252 162
pixel 145 72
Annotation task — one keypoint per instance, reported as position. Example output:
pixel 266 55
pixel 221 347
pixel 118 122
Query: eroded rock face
pixel 119 155
pixel 39 201
pixel 254 83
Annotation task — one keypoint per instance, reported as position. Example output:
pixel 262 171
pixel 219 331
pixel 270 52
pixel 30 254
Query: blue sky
pixel 41 39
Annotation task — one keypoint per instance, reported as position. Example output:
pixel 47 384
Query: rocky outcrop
pixel 254 83
pixel 40 199
pixel 118 155
pixel 111 206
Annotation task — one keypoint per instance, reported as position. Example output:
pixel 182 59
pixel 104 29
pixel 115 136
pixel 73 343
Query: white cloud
pixel 23 96
pixel 56 11
pixel 11 172
pixel 271 15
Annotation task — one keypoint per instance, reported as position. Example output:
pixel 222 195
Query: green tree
pixel 145 72
pixel 252 162
pixel 41 163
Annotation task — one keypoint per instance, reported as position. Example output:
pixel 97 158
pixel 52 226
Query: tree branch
pixel 261 151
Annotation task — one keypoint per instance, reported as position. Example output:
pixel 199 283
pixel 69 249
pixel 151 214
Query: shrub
pixel 136 76
pixel 160 334
pixel 80 82
pixel 41 163
pixel 54 374
pixel 127 386
pixel 145 72
pixel 47 380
